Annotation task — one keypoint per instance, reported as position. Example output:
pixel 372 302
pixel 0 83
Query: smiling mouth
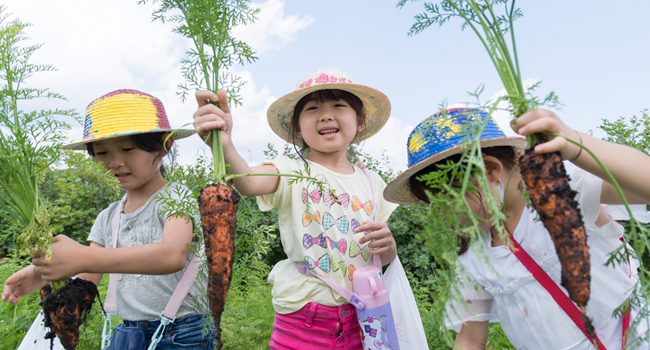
pixel 328 131
pixel 121 175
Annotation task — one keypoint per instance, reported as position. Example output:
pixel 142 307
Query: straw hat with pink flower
pixel 375 103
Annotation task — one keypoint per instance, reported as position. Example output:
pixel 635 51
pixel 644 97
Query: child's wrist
pixel 579 148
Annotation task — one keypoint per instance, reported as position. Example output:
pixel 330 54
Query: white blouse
pixel 504 291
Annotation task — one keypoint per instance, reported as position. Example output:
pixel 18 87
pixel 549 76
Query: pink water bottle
pixel 373 310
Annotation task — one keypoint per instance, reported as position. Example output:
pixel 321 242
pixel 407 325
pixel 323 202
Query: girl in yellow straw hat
pixel 145 252
pixel 326 113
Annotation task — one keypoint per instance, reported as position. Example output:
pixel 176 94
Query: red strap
pixel 626 326
pixel 558 295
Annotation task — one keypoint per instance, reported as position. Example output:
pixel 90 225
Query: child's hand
pixel 209 117
pixel 380 238
pixel 21 283
pixel 64 262
pixel 541 120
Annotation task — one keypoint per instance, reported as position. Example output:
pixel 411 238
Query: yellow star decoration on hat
pixel 454 128
pixel 417 141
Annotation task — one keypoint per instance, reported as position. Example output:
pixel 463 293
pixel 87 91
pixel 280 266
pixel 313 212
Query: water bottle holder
pixel 358 302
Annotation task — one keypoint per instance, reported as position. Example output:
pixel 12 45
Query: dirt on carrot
pixel 218 206
pixel 66 309
pixel 554 200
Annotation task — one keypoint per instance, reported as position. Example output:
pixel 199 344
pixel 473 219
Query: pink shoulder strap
pixel 182 289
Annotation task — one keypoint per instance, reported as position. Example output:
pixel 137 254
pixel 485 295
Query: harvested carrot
pixel 66 309
pixel 554 200
pixel 218 206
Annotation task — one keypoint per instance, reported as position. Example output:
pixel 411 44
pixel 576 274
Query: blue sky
pixel 593 54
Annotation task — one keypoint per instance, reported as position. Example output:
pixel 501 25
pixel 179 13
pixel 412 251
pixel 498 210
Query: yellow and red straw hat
pixel 124 112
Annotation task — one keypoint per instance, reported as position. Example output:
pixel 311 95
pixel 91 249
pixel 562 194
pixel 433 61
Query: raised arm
pixel 628 165
pixel 209 117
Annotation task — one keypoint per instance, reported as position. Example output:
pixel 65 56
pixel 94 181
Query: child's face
pixel 133 167
pixel 328 126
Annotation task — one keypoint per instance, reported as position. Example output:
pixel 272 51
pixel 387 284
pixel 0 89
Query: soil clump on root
pixel 66 309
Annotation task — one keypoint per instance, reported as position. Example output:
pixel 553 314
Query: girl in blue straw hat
pixel 496 281
pixel 145 252
pixel 324 231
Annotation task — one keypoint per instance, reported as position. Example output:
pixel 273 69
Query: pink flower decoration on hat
pixel 323 78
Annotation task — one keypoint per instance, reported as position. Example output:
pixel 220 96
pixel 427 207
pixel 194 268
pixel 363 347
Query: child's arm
pixel 70 258
pixel 472 335
pixel 628 165
pixel 381 240
pixel 21 283
pixel 209 117
pixel 25 282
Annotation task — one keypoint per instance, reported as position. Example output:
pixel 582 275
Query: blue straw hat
pixel 441 136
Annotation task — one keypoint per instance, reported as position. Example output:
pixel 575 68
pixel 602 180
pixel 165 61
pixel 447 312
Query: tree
pixel 635 133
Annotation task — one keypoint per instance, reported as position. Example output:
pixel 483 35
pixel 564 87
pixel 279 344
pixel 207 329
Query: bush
pixel 76 194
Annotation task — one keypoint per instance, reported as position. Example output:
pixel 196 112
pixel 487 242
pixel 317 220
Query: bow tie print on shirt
pixel 307 218
pixel 355 250
pixel 355 224
pixel 343 199
pixel 341 223
pixel 338 266
pixel 357 204
pixel 340 245
pixel 314 195
pixel 309 241
pixel 323 262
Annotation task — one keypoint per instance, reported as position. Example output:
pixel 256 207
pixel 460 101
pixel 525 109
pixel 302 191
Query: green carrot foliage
pixel 29 141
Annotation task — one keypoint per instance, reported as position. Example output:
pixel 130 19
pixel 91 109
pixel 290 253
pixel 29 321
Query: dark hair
pixel 323 96
pixel 153 142
pixel 506 154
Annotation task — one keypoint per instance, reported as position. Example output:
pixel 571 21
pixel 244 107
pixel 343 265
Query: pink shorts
pixel 317 327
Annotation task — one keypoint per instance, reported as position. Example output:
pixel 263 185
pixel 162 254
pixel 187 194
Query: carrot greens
pixel 29 141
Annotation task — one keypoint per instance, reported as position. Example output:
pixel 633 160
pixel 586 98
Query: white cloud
pixel 390 141
pixel 273 29
pixel 105 45
pixel 502 115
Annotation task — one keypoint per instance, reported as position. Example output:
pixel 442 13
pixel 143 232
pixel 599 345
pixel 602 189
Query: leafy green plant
pixel 76 193
pixel 634 132
pixel 29 141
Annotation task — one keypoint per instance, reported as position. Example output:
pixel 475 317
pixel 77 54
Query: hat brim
pixel 399 189
pixel 81 146
pixel 375 104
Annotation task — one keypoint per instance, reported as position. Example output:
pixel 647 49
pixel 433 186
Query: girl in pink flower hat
pixel 330 233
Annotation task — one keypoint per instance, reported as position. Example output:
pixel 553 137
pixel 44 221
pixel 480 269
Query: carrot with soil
pixel 554 200
pixel 218 206
pixel 67 309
